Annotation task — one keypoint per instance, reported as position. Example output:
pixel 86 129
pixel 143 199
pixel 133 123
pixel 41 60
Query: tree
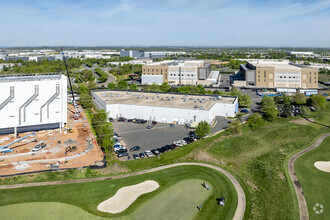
pixel 300 98
pixel 244 100
pixel 86 100
pixel 317 101
pixel 235 127
pixel 268 105
pixel 103 130
pixel 122 84
pixel 165 87
pixel 133 87
pixel 202 129
pixel 111 85
pixel 255 121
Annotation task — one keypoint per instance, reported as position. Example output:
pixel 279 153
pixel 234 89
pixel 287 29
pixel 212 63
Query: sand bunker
pixel 323 165
pixel 126 196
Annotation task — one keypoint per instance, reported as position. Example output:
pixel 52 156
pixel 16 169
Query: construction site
pixel 73 146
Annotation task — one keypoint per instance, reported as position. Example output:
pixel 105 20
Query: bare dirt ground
pixel 302 121
pixel 23 160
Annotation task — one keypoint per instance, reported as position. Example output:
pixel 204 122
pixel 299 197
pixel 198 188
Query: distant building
pixel 190 72
pixel 148 54
pixel 264 74
pixel 301 54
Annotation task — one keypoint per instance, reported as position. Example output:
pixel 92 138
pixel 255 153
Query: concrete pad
pixel 125 196
pixel 323 166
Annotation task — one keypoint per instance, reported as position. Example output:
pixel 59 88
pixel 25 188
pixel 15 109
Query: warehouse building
pixel 191 72
pixel 32 102
pixel 165 107
pixel 279 74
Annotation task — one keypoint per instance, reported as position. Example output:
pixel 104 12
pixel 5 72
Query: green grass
pixel 88 195
pixel 178 201
pixel 44 210
pixel 314 182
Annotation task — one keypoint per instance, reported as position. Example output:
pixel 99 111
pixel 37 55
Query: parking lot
pixel 138 135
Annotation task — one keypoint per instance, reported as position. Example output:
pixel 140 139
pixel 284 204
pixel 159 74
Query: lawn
pixel 88 195
pixel 179 201
pixel 315 183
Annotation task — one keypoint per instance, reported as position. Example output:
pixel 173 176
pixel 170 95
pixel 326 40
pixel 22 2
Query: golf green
pixel 180 201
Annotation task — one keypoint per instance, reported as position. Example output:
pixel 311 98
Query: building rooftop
pixel 29 77
pixel 276 65
pixel 169 100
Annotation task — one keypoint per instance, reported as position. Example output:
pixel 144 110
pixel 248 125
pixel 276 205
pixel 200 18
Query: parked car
pixel 161 150
pixel 174 145
pixel 171 147
pixel 189 139
pixel 148 153
pixel 122 119
pixel 111 120
pixel 129 120
pixel 152 124
pixel 165 148
pixel 135 148
pixel 155 151
pixel 135 156
pixel 245 110
pixel 122 155
pixel 141 155
pixel 173 124
pixel 120 151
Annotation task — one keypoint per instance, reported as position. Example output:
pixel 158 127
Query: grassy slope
pixel 88 195
pixel 315 183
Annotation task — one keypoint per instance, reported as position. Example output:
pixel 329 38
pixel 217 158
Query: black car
pixel 141 155
pixel 153 124
pixel 121 151
pixel 129 120
pixel 188 139
pixel 135 156
pixel 171 147
pixel 161 150
pixel 165 148
pixel 155 151
pixel 122 155
pixel 111 120
pixel 134 148
pixel 143 121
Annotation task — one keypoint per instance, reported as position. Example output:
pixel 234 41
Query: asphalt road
pixel 303 210
pixel 241 202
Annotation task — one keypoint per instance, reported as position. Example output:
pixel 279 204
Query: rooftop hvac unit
pixel 219 97
pixel 191 98
pixel 173 97
pixel 104 94
pixel 196 106
pixel 185 100
pixel 163 99
pixel 111 94
pixel 147 97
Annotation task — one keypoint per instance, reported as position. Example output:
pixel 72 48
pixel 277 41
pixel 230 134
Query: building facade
pixel 176 72
pixel 32 102
pixel 279 75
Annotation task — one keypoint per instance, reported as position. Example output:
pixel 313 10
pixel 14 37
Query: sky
pixel 280 23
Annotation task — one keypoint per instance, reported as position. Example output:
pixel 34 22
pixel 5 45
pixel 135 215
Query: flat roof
pixel 169 100
pixel 29 77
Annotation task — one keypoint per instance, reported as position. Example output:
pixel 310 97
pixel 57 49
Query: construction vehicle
pixel 39 146
pixel 72 148
pixel 70 130
pixel 7 149
pixel 85 127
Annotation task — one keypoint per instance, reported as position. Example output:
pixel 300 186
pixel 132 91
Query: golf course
pixel 314 182
pixel 179 194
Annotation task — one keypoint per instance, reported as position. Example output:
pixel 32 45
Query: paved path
pixel 241 203
pixel 303 210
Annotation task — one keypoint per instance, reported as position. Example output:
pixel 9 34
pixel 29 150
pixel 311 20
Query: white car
pixel 39 146
pixel 148 153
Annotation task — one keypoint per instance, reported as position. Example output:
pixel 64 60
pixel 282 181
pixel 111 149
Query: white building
pixel 164 107
pixel 32 102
